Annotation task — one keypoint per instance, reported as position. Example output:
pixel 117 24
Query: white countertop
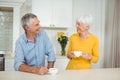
pixel 93 74
pixel 2 52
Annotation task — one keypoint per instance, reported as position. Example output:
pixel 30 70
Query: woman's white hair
pixel 86 20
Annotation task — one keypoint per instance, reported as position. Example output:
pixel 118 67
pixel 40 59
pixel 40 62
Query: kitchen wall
pixel 25 8
pixel 94 7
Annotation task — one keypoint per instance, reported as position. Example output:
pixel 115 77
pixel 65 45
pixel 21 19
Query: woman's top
pixel 89 45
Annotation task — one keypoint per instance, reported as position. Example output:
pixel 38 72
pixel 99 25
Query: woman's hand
pixel 87 56
pixel 70 55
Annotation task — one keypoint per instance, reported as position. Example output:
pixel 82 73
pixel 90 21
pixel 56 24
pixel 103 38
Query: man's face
pixel 35 26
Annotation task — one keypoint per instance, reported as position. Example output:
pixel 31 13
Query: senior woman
pixel 85 42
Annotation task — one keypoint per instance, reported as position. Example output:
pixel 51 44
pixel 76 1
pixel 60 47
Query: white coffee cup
pixel 78 53
pixel 53 71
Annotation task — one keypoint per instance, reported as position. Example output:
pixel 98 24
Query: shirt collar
pixel 25 37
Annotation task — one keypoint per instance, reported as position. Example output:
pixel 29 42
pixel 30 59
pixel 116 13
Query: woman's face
pixel 80 27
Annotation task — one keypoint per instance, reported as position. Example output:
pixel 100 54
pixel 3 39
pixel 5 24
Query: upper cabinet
pixel 53 13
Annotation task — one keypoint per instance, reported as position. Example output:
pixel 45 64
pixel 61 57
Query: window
pixel 6 29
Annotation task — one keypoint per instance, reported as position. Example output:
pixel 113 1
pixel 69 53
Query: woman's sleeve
pixel 95 54
pixel 69 46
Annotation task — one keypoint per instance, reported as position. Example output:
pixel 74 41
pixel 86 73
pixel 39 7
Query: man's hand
pixel 36 70
pixel 40 70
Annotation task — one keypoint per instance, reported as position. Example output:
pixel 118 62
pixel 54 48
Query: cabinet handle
pixel 52 25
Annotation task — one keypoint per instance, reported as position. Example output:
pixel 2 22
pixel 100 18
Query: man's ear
pixel 88 27
pixel 27 28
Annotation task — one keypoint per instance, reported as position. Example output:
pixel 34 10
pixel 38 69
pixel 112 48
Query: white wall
pixel 80 7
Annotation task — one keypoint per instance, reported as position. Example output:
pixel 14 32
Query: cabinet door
pixel 43 10
pixel 62 13
pixel 61 64
pixel 9 64
pixel 53 13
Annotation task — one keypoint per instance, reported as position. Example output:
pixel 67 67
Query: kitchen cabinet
pixel 53 13
pixel 2 61
pixel 9 64
pixel 60 64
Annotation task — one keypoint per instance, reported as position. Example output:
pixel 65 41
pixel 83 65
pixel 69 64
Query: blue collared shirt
pixel 33 54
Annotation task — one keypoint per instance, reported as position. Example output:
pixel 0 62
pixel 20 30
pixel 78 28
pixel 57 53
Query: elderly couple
pixel 34 44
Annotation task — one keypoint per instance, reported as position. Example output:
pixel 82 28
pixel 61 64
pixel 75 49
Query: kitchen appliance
pixel 2 61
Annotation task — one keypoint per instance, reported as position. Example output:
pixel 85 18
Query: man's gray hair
pixel 86 20
pixel 26 20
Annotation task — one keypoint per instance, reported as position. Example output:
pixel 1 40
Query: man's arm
pixel 26 68
pixel 50 65
pixel 49 51
pixel 36 70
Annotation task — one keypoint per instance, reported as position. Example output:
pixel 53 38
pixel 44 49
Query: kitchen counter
pixel 9 56
pixel 9 62
pixel 92 74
